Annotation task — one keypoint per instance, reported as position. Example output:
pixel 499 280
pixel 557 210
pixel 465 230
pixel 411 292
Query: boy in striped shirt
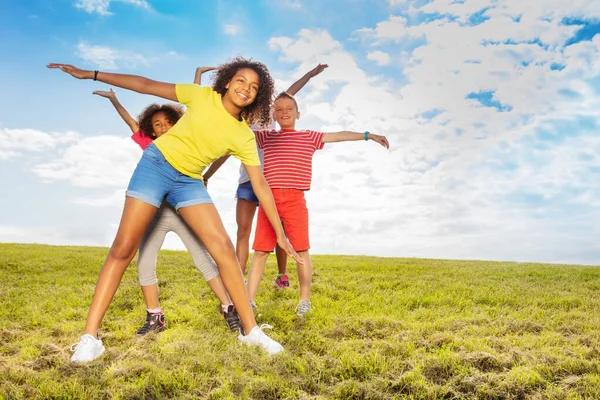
pixel 288 157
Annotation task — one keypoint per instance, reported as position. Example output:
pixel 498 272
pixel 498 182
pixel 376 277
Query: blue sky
pixel 491 108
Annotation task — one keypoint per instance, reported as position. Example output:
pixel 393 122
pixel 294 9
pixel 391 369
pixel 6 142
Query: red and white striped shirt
pixel 288 156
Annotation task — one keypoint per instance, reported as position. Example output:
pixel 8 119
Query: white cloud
pixel 309 43
pixel 379 57
pixel 448 189
pixel 92 162
pixel 107 58
pixel 67 233
pixel 231 29
pixel 462 180
pixel 94 6
pixel 395 29
pixel 14 143
pixel 101 6
pixel 101 200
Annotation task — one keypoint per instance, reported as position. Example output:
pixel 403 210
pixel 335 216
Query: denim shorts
pixel 154 180
pixel 245 192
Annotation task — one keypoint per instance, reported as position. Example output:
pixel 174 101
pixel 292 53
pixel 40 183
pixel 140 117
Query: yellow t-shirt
pixel 205 133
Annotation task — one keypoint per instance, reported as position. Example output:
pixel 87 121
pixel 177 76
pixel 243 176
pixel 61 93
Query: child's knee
pixel 222 245
pixel 123 250
pixel 243 232
pixel 260 255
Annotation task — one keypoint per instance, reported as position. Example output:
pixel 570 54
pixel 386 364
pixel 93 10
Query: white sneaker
pixel 88 349
pixel 257 337
pixel 303 308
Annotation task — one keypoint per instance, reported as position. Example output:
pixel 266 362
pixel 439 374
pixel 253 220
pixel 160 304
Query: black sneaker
pixel 154 322
pixel 232 318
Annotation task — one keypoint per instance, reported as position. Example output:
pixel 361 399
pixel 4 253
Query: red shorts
pixel 291 206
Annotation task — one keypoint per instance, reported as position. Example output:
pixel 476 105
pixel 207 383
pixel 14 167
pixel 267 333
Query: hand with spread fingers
pixel 103 93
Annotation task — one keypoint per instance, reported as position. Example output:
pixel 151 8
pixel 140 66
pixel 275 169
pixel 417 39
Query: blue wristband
pixel 367 136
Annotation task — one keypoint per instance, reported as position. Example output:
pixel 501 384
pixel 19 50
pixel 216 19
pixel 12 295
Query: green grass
pixel 381 328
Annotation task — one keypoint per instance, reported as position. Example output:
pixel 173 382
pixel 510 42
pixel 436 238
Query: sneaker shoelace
pixel 264 326
pixel 83 340
pixel 151 320
pixel 303 307
pixel 232 318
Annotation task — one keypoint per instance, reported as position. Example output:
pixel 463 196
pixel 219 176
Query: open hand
pixel 289 250
pixel 73 71
pixel 382 140
pixel 317 70
pixel 103 93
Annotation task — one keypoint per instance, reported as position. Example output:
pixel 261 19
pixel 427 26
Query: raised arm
pixel 347 136
pixel 265 197
pixel 199 72
pixel 299 84
pixel 112 96
pixel 214 167
pixel 130 82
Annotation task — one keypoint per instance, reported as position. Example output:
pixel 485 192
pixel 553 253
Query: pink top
pixel 141 139
pixel 288 156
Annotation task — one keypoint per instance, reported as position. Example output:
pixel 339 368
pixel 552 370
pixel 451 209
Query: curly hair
pixel 173 111
pixel 260 110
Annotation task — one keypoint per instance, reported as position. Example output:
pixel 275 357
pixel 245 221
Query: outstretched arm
pixel 112 96
pixel 265 197
pixel 214 167
pixel 347 136
pixel 299 84
pixel 199 72
pixel 130 82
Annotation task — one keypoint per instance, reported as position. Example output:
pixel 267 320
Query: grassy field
pixel 381 328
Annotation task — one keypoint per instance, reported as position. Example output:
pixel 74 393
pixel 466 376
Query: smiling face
pixel 285 112
pixel 242 88
pixel 161 123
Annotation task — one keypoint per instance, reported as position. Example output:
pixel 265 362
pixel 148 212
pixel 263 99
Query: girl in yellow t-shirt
pixel 171 168
pixel 153 122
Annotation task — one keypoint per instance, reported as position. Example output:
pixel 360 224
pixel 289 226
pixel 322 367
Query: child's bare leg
pixel 257 268
pixel 151 296
pixel 216 285
pixel 244 214
pixel 305 275
pixel 134 221
pixel 281 260
pixel 204 220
